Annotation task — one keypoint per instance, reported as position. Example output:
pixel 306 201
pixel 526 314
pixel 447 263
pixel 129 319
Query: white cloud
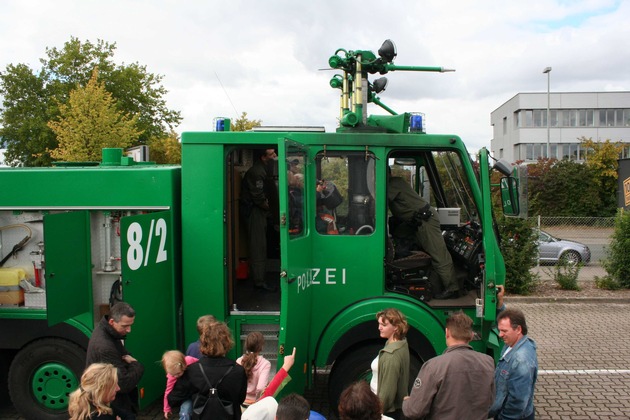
pixel 263 57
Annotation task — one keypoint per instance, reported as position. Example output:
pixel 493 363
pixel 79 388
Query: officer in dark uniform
pixel 416 214
pixel 255 211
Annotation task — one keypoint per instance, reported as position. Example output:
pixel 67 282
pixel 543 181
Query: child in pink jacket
pixel 256 366
pixel 175 363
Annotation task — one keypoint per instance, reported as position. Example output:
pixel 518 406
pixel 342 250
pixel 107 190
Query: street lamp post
pixel 548 71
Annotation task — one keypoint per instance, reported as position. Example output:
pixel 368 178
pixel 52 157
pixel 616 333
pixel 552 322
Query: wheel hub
pixel 52 383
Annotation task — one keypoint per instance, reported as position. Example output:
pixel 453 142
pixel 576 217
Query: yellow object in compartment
pixel 11 276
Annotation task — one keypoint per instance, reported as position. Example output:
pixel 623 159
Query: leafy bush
pixel 607 283
pixel 565 274
pixel 552 189
pixel 519 249
pixel 617 262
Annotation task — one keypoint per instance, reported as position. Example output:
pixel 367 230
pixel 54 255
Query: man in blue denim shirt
pixel 517 370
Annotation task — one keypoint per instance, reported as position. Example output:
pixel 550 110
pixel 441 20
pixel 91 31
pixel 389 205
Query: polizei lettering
pixel 321 276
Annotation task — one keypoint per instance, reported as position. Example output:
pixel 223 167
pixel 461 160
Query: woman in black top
pixel 216 341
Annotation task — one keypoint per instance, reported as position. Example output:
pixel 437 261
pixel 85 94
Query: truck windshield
pixel 440 178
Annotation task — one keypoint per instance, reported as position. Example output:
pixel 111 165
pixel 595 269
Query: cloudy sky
pixel 263 57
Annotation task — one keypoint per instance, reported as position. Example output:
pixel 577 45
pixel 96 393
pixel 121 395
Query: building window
pixel 540 117
pixel 566 118
pixel 504 125
pixel 619 122
pixel 572 118
pixel 529 151
pixel 585 118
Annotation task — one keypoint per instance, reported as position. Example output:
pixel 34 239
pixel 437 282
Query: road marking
pixel 585 372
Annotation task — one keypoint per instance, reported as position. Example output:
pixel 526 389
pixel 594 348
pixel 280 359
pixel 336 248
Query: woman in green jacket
pixel 390 369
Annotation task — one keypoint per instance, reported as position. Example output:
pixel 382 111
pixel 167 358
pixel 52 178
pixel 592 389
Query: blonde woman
pixel 99 384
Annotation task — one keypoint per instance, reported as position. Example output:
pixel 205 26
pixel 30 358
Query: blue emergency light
pixel 221 124
pixel 417 123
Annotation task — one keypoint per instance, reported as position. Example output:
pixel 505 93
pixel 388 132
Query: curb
pixel 542 299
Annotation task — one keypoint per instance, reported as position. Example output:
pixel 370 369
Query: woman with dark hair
pixel 256 367
pixel 212 368
pixel 390 369
pixel 358 402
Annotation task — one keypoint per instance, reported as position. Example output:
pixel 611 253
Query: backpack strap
pixel 213 389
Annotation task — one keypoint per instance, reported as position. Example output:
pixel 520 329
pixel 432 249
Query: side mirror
pixel 504 167
pixel 509 196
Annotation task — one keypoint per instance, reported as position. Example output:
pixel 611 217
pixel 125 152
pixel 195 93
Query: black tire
pixel 354 365
pixel 42 376
pixel 4 373
pixel 571 257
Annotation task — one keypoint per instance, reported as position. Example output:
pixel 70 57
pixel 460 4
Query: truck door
pixel 68 266
pixel 295 258
pixel 147 244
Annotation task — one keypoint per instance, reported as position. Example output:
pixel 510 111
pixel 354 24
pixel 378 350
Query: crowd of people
pixel 205 384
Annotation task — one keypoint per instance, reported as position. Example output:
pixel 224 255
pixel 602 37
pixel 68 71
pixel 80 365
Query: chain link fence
pixel 593 232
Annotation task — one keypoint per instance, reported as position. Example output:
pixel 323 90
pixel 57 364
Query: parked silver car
pixel 552 249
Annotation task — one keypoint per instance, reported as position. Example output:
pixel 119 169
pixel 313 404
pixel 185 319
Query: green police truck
pixel 171 241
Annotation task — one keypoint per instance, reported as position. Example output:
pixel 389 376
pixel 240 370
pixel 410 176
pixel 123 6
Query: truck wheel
pixel 355 366
pixel 42 376
pixel 4 373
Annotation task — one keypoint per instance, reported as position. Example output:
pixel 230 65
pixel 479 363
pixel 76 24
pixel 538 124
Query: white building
pixel 520 131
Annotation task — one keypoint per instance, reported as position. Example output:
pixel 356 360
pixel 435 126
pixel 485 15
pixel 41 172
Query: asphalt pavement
pixel 583 355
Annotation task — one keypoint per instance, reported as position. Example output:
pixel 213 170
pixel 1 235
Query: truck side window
pixel 344 193
pixel 295 183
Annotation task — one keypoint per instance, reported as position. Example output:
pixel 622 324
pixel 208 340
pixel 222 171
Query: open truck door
pixel 295 259
pixel 148 256
pixel 68 266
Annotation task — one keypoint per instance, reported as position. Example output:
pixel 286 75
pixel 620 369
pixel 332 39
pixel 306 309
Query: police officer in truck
pixel 254 207
pixel 419 219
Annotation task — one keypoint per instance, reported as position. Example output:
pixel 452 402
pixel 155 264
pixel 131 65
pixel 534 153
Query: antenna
pixel 228 96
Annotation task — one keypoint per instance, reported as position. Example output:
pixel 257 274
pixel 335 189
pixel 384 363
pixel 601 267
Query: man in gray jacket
pixel 459 384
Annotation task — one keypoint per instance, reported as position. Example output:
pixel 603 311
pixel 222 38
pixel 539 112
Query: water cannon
pixel 357 91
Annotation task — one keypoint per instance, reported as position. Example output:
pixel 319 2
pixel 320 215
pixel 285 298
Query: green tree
pixel 242 123
pixel 519 250
pixel 90 122
pixel 165 149
pixel 617 261
pixel 565 189
pixel 31 98
pixel 602 158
